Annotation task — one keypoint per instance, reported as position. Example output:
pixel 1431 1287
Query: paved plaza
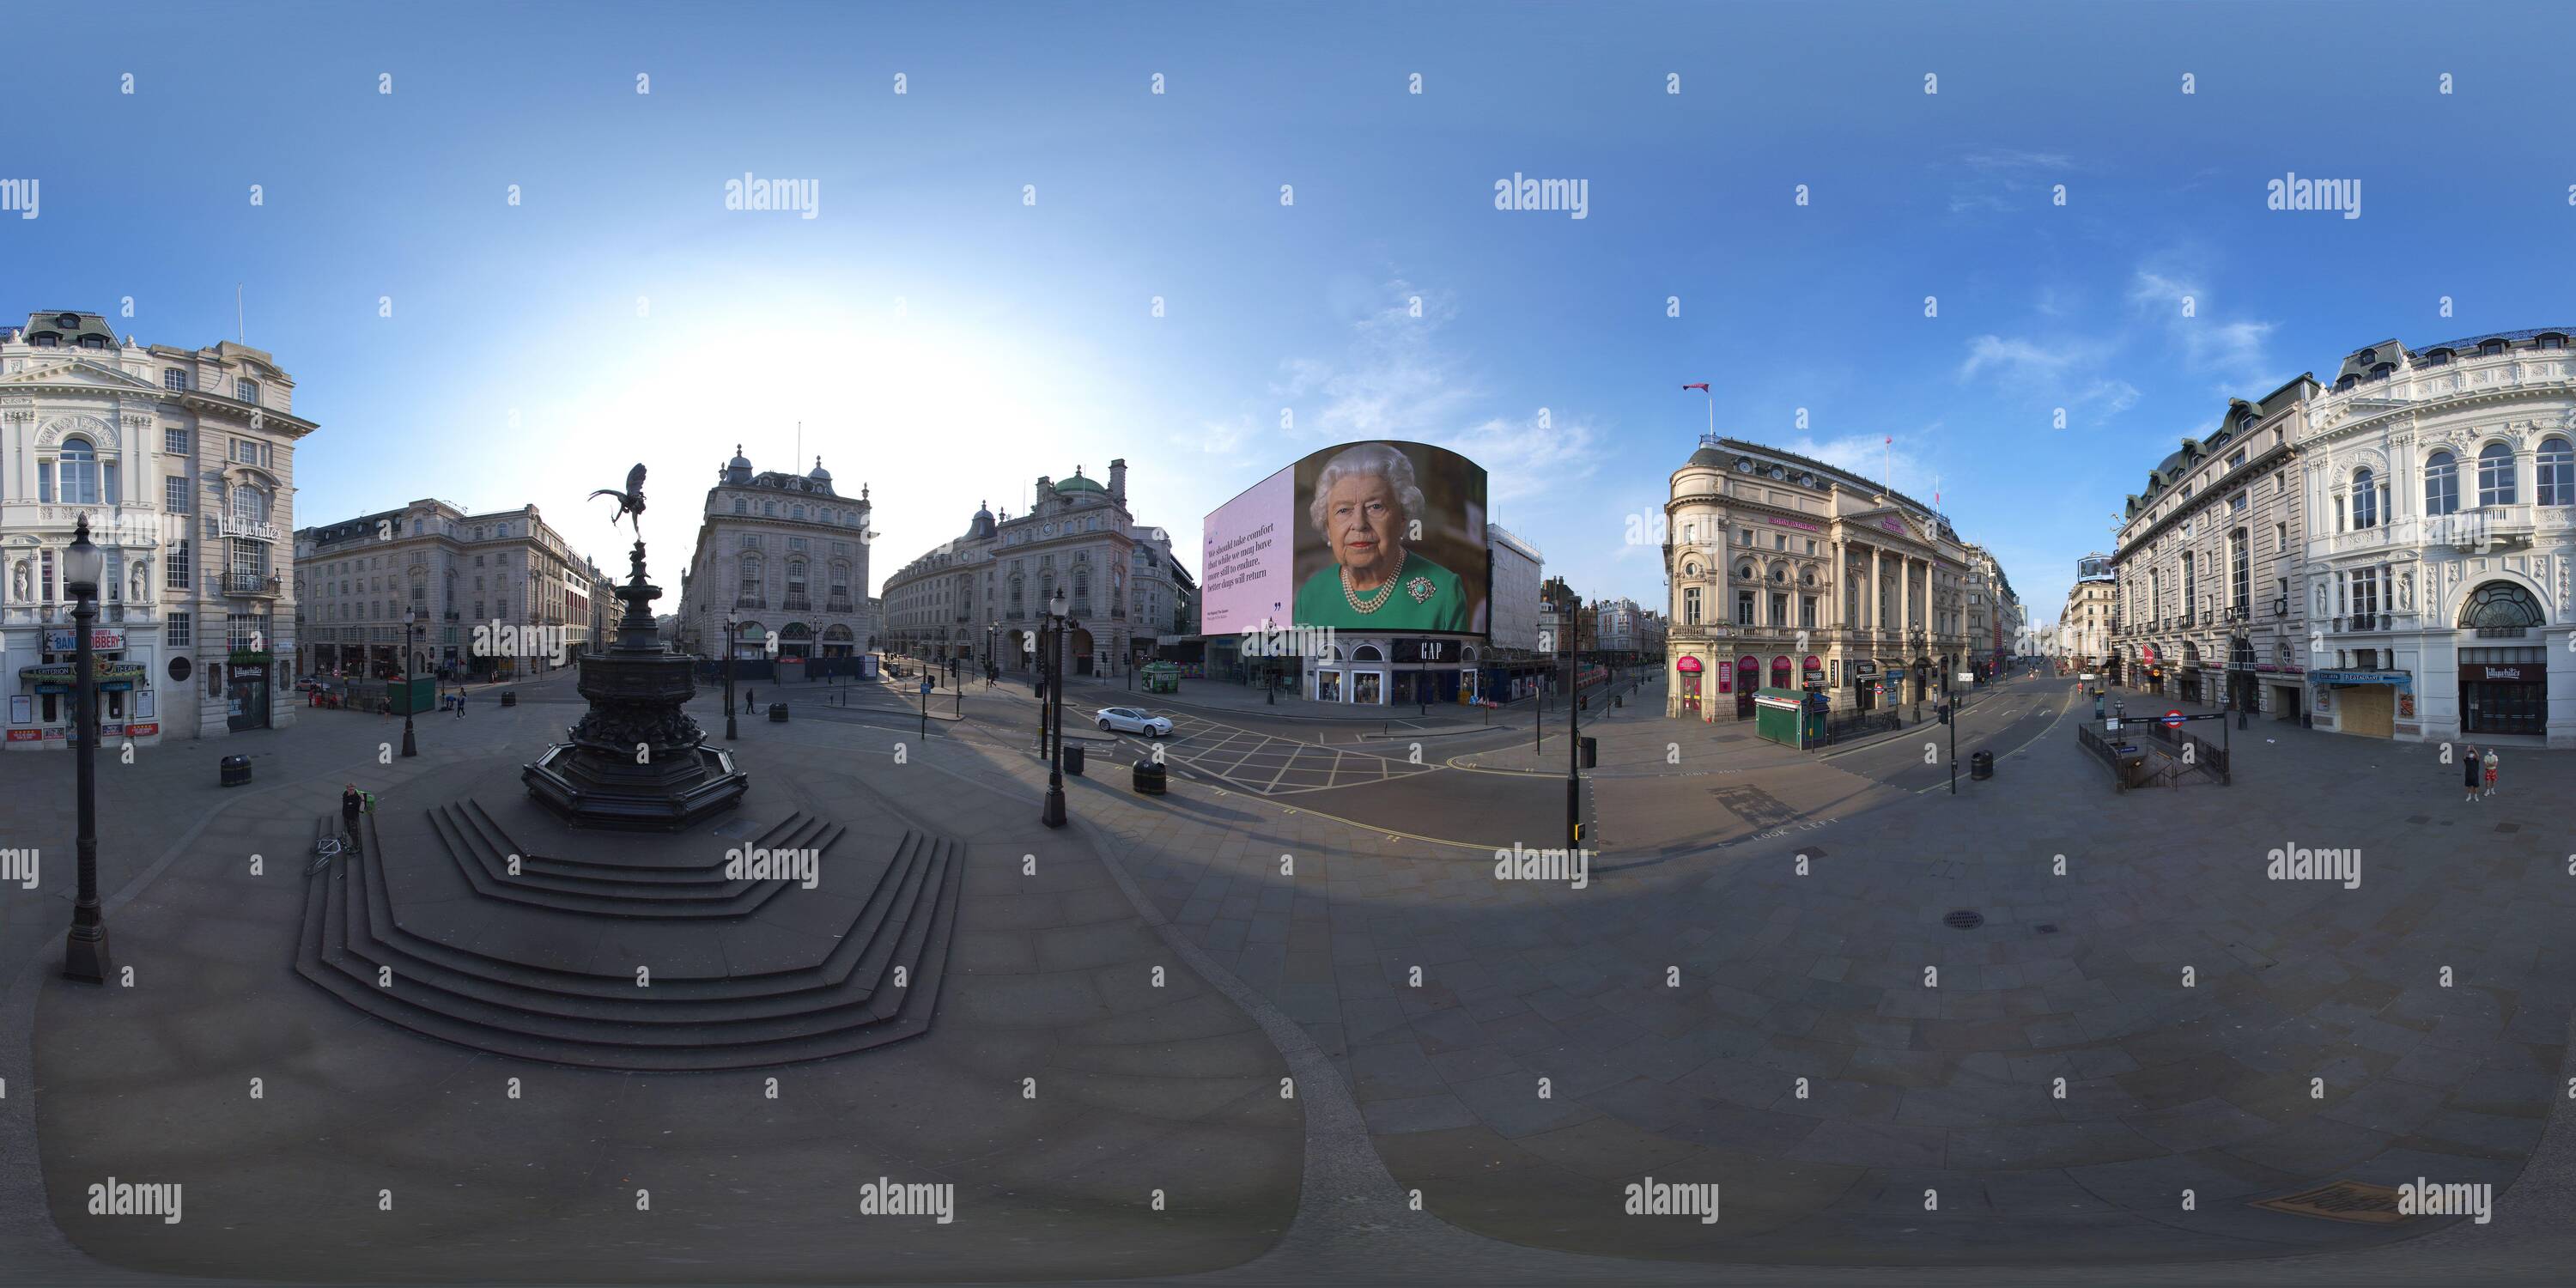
pixel 1949 1037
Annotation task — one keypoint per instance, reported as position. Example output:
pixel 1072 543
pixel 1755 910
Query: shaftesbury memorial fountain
pixel 637 760
pixel 520 917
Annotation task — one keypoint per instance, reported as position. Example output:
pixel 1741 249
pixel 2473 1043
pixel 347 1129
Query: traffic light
pixel 1945 713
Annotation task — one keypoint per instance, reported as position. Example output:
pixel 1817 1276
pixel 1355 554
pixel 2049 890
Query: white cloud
pixel 2231 349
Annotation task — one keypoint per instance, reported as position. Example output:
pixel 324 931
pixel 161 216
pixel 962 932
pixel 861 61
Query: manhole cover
pixel 2341 1201
pixel 1964 919
pixel 2048 927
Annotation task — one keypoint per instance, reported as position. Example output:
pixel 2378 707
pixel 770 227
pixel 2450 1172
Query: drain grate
pixel 2048 927
pixel 1964 919
pixel 2340 1201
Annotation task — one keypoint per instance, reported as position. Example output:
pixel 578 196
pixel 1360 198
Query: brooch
pixel 1420 588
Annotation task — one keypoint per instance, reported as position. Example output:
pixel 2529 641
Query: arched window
pixel 1744 572
pixel 751 593
pixel 79 472
pixel 2500 609
pixel 2441 484
pixel 1367 653
pixel 796 584
pixel 1780 677
pixel 2557 473
pixel 2365 500
pixel 2495 475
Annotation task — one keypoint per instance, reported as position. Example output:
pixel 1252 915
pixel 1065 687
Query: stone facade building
pixel 1790 573
pixel 984 593
pixel 498 595
pixel 783 553
pixel 2207 567
pixel 183 461
pixel 2438 573
pixel 2084 623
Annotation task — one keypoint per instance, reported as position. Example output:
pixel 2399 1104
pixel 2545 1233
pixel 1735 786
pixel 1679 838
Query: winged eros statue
pixel 630 503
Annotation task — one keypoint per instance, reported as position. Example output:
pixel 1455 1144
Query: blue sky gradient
pixel 947 343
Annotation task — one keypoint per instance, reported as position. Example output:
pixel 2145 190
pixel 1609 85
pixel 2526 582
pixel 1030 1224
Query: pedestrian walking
pixel 458 701
pixel 2471 776
pixel 351 802
pixel 2491 771
pixel 747 694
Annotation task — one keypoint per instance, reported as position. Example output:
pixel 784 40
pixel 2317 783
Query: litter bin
pixel 235 771
pixel 509 697
pixel 1149 777
pixel 1591 752
pixel 1981 765
pixel 1619 700
pixel 777 713
pixel 1073 759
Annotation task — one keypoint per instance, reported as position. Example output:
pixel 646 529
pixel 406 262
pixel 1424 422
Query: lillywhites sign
pixel 2489 672
pixel 246 529
pixel 69 641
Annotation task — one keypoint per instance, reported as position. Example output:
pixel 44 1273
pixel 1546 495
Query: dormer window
pixel 2551 341
pixel 2490 348
pixel 47 340
pixel 2438 358
pixel 93 342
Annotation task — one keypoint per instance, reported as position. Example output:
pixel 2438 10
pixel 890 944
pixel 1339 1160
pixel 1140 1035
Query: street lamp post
pixel 85 954
pixel 1056 626
pixel 1574 738
pixel 731 626
pixel 411 620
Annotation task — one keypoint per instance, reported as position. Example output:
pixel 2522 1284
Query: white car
pixel 1131 720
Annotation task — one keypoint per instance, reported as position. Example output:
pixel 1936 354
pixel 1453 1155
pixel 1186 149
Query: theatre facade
pixel 1789 573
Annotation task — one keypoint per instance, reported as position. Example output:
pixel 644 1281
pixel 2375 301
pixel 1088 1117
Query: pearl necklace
pixel 1378 600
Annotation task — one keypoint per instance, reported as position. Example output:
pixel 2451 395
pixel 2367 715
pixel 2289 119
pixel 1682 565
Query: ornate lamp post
pixel 1574 733
pixel 411 629
pixel 731 624
pixel 85 955
pixel 1056 626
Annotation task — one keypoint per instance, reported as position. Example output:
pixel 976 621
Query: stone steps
pixel 842 1003
pixel 481 852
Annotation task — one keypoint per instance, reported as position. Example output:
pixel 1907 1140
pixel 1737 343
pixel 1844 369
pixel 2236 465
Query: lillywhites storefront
pixel 41 707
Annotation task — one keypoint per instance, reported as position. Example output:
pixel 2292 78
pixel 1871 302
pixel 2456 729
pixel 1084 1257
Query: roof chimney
pixel 1118 480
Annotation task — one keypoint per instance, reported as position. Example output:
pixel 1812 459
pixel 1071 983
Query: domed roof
pixel 739 461
pixel 1079 484
pixel 1707 456
pixel 819 474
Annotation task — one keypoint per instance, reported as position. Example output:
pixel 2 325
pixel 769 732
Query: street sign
pixel 2173 719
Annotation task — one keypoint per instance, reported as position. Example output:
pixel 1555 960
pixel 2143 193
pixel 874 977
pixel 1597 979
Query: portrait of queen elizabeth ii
pixel 1369 509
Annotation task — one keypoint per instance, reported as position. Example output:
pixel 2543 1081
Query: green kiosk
pixel 1161 677
pixel 1788 717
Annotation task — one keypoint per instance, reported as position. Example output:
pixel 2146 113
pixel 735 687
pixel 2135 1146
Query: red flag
pixel 1700 387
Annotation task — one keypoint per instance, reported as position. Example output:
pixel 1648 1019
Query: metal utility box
pixel 1789 717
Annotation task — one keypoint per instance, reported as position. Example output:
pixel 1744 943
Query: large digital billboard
pixel 1380 536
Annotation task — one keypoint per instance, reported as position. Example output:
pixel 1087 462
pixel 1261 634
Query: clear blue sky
pixel 947 343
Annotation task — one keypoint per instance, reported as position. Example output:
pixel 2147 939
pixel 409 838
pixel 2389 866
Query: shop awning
pixel 56 677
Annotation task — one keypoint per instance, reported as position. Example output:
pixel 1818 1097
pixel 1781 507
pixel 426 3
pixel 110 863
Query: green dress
pixel 1425 597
